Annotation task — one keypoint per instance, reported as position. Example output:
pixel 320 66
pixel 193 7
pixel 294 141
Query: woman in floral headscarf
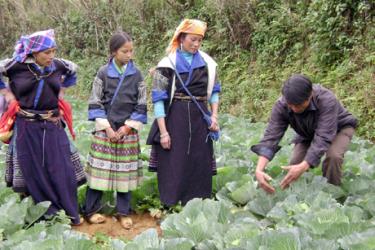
pixel 40 160
pixel 182 153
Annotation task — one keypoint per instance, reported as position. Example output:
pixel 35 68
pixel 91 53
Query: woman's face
pixel 44 58
pixel 124 53
pixel 191 43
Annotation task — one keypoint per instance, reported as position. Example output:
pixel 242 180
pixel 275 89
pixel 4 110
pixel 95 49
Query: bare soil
pixel 112 227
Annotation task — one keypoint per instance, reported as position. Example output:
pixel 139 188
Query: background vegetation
pixel 257 44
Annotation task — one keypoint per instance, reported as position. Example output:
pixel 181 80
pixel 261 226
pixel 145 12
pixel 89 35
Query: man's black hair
pixel 297 89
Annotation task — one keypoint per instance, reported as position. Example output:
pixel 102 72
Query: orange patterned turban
pixel 190 26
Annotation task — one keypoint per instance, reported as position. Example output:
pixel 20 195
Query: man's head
pixel 297 91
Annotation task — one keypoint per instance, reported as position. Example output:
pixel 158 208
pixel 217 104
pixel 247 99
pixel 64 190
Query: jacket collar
pixel 183 66
pixel 113 73
pixel 312 105
pixel 30 60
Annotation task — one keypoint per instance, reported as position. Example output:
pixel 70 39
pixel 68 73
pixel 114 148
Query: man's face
pixel 299 108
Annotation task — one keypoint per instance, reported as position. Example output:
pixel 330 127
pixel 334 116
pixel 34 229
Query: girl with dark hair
pixel 118 106
pixel 40 161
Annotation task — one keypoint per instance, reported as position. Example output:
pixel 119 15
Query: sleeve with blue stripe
pixel 217 88
pixel 96 108
pixel 159 87
pixel 215 93
pixel 4 65
pixel 71 73
pixel 140 112
pixel 2 82
pixel 159 95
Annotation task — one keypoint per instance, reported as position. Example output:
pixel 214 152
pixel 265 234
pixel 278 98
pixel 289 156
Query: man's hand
pixel 263 180
pixel 294 172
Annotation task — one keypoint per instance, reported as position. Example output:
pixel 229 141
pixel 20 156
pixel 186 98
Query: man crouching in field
pixel 322 124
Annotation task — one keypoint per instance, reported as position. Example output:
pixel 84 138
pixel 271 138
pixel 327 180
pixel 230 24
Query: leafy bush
pixel 258 44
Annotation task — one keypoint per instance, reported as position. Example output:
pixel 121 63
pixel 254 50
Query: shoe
pixel 96 219
pixel 126 222
pixel 81 220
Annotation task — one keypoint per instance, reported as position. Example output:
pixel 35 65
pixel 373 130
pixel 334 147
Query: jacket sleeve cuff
pixel 267 152
pixel 69 80
pixel 137 125
pixel 159 95
pixel 138 117
pixel 312 160
pixel 101 124
pixel 96 113
pixel 217 88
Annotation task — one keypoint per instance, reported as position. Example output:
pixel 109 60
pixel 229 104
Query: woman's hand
pixel 165 140
pixel 122 131
pixel 214 124
pixel 112 135
pixel 9 97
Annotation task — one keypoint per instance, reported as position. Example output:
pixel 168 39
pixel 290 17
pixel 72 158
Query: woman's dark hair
pixel 181 36
pixel 117 40
pixel 297 89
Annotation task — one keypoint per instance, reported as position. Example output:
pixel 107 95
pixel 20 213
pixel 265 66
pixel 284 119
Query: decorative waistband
pixel 183 97
pixel 39 115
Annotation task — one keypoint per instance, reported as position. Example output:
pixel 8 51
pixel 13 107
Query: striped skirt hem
pixel 114 166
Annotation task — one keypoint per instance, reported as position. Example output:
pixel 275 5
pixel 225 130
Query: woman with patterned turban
pixel 40 160
pixel 182 153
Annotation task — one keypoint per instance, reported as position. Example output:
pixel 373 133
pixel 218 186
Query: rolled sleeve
pixel 278 124
pixel 159 110
pixel 101 124
pixel 214 98
pixel 265 151
pixel 159 95
pixel 134 124
pixel 325 132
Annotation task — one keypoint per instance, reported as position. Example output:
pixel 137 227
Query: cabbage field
pixel 311 214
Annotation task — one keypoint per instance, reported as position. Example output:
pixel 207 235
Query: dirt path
pixel 112 227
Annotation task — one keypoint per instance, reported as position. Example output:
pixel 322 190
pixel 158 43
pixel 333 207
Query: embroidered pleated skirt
pixel 13 173
pixel 40 162
pixel 114 166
